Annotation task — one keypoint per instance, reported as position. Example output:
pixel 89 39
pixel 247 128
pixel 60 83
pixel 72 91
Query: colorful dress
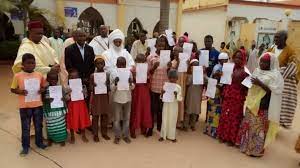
pixel 78 115
pixel 55 121
pixel 231 117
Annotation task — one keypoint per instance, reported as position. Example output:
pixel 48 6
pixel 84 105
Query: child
pixel 193 99
pixel 234 96
pixel 214 104
pixel 181 82
pixel 141 113
pixel 29 109
pixel 77 116
pixel 121 104
pixel 170 111
pixel 100 103
pixel 158 78
pixel 55 117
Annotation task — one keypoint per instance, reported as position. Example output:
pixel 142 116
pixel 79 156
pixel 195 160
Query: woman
pixel 261 120
pixel 234 96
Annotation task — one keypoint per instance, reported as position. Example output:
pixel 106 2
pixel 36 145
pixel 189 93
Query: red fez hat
pixel 266 57
pixel 34 24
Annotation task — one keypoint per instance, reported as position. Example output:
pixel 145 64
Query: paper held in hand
pixel 55 92
pixel 247 82
pixel 32 86
pixel 188 48
pixel 204 58
pixel 169 89
pixel 211 88
pixel 183 65
pixel 227 70
pixel 123 74
pixel 151 43
pixel 141 72
pixel 164 58
pixel 170 38
pixel 198 75
pixel 100 81
pixel 77 89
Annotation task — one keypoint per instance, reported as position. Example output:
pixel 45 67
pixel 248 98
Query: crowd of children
pixel 142 104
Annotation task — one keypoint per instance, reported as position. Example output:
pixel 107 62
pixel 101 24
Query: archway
pixel 156 28
pixel 134 28
pixel 90 21
pixel 7 30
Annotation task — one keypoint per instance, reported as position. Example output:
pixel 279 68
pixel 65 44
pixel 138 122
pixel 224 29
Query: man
pixel 57 43
pixel 223 48
pixel 252 60
pixel 116 50
pixel 289 66
pixel 139 46
pixel 80 56
pixel 213 53
pixel 45 57
pixel 100 43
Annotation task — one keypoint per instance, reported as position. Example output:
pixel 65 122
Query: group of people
pixel 135 106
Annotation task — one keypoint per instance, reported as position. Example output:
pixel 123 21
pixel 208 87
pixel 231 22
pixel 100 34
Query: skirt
pixel 78 116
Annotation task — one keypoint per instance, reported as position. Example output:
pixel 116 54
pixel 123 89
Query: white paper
pixel 198 75
pixel 55 92
pixel 100 81
pixel 164 58
pixel 247 82
pixel 76 87
pixel 204 58
pixel 188 48
pixel 247 70
pixel 227 73
pixel 170 39
pixel 169 89
pixel 183 58
pixel 151 43
pixel 141 72
pixel 123 74
pixel 211 88
pixel 32 86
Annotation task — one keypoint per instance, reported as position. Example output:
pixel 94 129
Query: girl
pixel 262 107
pixel 170 111
pixel 214 105
pixel 99 103
pixel 234 96
pixel 193 99
pixel 141 113
pixel 181 81
pixel 77 116
pixel 55 117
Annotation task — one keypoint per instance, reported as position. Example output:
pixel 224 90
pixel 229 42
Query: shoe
pixel 63 144
pixel 193 128
pixel 174 140
pixel 117 141
pixel 127 140
pixel 96 139
pixel 24 152
pixel 106 137
pixel 42 146
pixel 161 139
pixel 149 133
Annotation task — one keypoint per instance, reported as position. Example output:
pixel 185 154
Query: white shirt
pixel 99 45
pixel 277 51
pixel 81 49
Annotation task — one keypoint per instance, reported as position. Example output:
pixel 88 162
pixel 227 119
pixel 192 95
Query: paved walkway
pixel 193 150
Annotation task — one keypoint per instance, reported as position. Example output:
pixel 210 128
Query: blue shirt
pixel 213 60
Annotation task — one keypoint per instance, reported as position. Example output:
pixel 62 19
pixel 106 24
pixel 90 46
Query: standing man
pixel 45 57
pixel 252 59
pixel 57 43
pixel 100 43
pixel 139 46
pixel 213 53
pixel 80 56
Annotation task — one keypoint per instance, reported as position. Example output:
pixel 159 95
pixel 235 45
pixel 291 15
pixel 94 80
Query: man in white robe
pixel 139 46
pixel 57 43
pixel 100 43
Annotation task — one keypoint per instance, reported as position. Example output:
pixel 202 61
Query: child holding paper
pixel 141 107
pixel 214 104
pixel 29 107
pixel 181 82
pixel 170 110
pixel 78 116
pixel 234 96
pixel 193 99
pixel 158 78
pixel 99 103
pixel 121 103
pixel 55 116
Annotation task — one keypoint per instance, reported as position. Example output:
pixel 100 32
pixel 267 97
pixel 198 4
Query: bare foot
pixel 72 140
pixel 63 144
pixel 161 139
pixel 96 139
pixel 84 139
pixel 49 143
pixel 106 137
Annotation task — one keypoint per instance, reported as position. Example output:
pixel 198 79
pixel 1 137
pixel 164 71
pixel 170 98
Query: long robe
pixel 138 48
pixel 99 45
pixel 57 45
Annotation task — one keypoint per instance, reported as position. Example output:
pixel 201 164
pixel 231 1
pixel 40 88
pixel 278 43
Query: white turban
pixel 116 34
pixel 223 56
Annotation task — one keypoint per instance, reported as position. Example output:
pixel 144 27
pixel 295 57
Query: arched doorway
pixel 7 30
pixel 134 28
pixel 156 28
pixel 90 21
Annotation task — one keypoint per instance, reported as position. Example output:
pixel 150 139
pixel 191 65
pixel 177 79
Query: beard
pixel 118 49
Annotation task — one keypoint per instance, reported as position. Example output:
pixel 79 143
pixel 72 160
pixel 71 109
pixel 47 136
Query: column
pixel 121 16
pixel 179 17
pixel 60 13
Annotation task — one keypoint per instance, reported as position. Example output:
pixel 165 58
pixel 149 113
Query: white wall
pixel 203 22
pixel 148 14
pixel 50 7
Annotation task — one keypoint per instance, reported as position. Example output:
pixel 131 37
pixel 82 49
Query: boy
pixel 121 104
pixel 29 108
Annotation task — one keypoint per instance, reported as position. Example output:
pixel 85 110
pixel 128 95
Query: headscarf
pixel 99 57
pixel 116 34
pixel 244 59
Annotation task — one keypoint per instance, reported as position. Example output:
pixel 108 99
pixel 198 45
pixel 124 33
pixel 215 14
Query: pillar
pixel 60 13
pixel 179 17
pixel 121 16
